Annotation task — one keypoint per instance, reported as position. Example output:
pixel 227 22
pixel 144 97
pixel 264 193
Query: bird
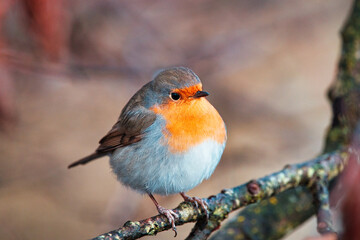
pixel 167 139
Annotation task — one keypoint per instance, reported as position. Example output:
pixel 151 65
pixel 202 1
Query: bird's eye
pixel 174 96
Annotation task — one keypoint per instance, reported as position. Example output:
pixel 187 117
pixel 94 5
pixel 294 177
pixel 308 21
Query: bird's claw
pixel 198 201
pixel 170 215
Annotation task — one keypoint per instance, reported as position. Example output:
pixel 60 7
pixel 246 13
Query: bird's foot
pixel 170 215
pixel 197 201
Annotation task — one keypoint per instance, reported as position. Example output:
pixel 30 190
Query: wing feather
pixel 127 130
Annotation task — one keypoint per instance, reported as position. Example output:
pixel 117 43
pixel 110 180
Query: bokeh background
pixel 68 67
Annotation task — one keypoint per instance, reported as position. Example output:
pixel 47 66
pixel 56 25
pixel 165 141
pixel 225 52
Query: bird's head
pixel 178 85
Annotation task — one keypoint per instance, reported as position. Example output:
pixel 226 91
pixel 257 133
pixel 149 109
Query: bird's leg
pixel 170 214
pixel 197 201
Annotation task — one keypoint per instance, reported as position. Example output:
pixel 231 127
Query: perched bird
pixel 167 140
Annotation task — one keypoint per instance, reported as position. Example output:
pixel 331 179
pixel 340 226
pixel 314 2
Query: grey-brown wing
pixel 127 130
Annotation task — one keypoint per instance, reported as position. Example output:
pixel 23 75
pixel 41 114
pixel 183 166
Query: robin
pixel 167 140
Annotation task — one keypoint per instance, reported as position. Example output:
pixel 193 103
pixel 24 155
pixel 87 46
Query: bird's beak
pixel 199 94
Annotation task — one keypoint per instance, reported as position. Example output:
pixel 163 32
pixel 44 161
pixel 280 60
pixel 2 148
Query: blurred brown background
pixel 68 68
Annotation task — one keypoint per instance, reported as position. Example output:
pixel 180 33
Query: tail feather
pixel 87 159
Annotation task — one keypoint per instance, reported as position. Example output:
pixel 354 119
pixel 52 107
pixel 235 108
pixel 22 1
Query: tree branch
pixel 323 168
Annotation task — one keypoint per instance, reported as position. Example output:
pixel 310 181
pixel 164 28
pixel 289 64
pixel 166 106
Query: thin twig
pixel 324 216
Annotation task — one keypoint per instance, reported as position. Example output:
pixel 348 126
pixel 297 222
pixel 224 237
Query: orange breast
pixel 190 122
